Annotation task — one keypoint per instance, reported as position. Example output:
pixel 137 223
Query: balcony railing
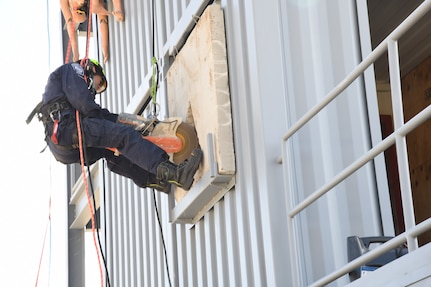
pixel 398 137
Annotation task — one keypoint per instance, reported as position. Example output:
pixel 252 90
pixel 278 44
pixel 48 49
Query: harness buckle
pixel 55 112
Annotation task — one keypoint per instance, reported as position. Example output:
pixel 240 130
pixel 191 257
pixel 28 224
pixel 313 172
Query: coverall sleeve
pixel 107 115
pixel 77 93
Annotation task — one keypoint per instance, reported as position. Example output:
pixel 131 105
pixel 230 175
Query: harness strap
pixel 52 112
pixel 44 113
pixel 50 115
pixel 35 111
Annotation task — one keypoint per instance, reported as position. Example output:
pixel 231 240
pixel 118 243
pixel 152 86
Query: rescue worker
pixel 72 87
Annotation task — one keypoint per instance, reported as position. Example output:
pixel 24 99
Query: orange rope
pixel 44 240
pixel 87 192
pixel 81 153
pixel 81 149
pixel 69 48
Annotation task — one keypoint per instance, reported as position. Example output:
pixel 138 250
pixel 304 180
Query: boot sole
pixel 191 168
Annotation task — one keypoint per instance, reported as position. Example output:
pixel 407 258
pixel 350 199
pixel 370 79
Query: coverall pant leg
pixel 122 166
pixel 129 142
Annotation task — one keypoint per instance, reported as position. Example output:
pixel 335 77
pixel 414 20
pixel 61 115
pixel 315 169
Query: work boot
pixel 181 175
pixel 160 185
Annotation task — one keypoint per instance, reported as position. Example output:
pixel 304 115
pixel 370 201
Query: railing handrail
pixel 401 129
pixel 361 67
pixel 375 252
pixel 418 119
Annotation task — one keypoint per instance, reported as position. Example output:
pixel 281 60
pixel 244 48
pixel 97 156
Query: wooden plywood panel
pixel 393 176
pixel 416 88
pixel 198 89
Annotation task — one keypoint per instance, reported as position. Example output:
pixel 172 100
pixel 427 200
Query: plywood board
pixel 198 89
pixel 416 88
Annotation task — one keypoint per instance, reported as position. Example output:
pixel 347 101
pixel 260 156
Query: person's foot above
pixel 119 15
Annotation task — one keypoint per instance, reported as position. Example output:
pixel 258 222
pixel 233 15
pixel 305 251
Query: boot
pixel 181 175
pixel 160 185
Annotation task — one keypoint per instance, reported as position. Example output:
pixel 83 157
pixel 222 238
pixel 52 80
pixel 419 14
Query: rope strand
pixel 81 150
pixel 48 225
pixel 87 192
pixel 153 90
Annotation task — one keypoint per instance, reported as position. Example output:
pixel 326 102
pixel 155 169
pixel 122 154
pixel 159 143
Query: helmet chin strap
pixel 91 85
pixel 90 81
pixel 92 68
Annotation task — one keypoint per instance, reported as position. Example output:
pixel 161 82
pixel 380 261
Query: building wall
pixel 283 57
pixel 276 77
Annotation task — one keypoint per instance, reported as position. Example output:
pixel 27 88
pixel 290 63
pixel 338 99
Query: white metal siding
pixel 322 47
pixel 276 77
pixel 283 57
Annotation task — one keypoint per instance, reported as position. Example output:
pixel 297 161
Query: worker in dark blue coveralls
pixel 72 87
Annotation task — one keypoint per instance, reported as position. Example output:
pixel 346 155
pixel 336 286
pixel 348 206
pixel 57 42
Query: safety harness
pixel 51 115
pixel 50 112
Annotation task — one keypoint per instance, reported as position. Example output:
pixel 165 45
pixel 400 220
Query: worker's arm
pixel 75 89
pixel 70 25
pixel 104 34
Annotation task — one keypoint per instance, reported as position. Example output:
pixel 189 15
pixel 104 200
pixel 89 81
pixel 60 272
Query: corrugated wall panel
pixel 221 245
pixel 242 240
pixel 273 76
pixel 226 248
pixel 335 138
pixel 248 207
pixel 231 243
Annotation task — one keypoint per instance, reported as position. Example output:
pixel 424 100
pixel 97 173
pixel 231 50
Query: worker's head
pixel 96 78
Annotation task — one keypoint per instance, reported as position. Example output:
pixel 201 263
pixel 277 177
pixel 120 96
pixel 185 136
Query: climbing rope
pixel 154 79
pixel 83 63
pixel 48 227
pixel 91 204
pixel 48 223
pixel 154 65
pixel 154 85
pixel 87 192
pixel 153 92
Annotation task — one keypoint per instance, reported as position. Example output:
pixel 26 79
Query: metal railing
pixel 398 137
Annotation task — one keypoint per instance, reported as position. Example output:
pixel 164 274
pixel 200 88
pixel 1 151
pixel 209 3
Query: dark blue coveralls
pixel 139 158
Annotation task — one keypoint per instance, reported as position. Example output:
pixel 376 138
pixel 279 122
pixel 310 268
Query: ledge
pixel 210 188
pixel 198 92
pixel 79 199
pixel 412 269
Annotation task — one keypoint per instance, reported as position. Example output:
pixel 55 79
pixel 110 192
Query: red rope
pixel 90 204
pixel 89 17
pixel 44 240
pixel 69 48
pixel 81 149
pixel 81 153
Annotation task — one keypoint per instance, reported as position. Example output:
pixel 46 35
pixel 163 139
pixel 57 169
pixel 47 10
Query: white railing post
pixel 292 226
pixel 400 140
